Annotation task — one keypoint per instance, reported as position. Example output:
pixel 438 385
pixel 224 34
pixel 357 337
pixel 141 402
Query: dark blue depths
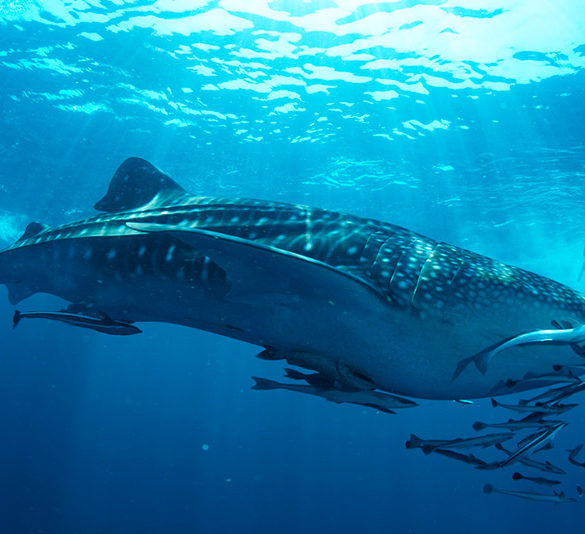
pixel 161 432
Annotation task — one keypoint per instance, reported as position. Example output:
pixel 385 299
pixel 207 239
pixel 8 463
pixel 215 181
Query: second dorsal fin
pixel 135 184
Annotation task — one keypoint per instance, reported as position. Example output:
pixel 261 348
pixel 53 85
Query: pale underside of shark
pixel 365 303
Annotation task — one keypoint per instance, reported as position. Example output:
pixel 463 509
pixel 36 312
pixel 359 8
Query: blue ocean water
pixel 463 120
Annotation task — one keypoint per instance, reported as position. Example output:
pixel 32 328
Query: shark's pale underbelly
pixel 398 351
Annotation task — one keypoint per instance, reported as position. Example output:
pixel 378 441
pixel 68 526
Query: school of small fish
pixel 537 421
pixel 540 430
pixel 533 432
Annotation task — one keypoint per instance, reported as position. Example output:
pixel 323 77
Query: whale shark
pixel 366 304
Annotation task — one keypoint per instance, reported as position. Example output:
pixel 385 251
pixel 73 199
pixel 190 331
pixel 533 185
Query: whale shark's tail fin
pixel 15 273
pixel 12 266
pixel 135 184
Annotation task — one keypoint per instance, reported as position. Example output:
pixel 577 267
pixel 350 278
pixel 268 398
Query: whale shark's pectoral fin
pixel 574 337
pixel 482 359
pixel 566 324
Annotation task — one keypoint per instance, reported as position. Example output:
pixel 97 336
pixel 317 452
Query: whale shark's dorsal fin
pixel 136 183
pixel 31 230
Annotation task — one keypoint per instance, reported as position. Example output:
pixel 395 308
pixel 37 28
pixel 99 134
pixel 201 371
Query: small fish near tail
pixel 16 318
pixel 573 455
pixel 536 480
pixel 531 446
pixel 101 323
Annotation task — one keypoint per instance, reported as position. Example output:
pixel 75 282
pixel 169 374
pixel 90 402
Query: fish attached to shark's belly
pixel 366 304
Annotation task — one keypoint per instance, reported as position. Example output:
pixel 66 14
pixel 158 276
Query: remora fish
pixel 537 480
pixel 573 455
pixel 555 409
pixel 555 394
pixel 546 466
pixel 532 445
pixel 429 445
pixel 546 379
pixel 372 399
pixel 525 440
pixel 534 420
pixel 406 310
pixel 531 496
pixel 580 368
pixel 314 379
pixel 465 458
pixel 102 324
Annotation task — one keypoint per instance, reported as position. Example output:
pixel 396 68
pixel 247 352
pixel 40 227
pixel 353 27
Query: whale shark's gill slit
pixel 404 280
pixel 344 251
pixel 386 260
pixel 371 251
pixel 434 292
pixel 427 261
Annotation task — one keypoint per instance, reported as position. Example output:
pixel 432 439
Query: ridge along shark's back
pixel 347 296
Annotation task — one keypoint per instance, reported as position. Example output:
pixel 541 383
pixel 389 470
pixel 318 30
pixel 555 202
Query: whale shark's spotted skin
pixel 409 270
pixel 432 304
